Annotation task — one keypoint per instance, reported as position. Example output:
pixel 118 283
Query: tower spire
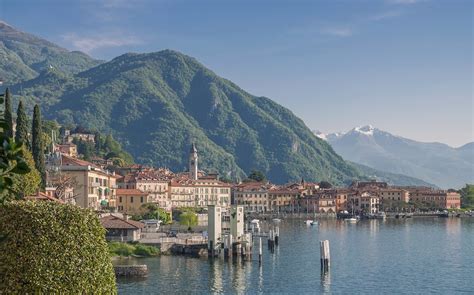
pixel 193 162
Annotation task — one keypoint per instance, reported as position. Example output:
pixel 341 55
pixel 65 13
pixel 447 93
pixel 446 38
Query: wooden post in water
pixel 249 247
pixel 260 251
pixel 231 242
pixel 325 255
pixel 226 247
pixel 277 235
pixel 210 250
pixel 271 241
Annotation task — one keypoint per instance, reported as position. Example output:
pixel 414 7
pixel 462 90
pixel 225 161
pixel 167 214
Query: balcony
pixel 95 184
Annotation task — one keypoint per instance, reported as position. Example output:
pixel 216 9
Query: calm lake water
pixel 429 255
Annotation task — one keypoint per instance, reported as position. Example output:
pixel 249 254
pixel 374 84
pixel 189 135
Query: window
pixel 131 199
pixel 141 199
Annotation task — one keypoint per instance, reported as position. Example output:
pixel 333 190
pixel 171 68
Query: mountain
pixel 391 178
pixel 24 56
pixel 436 163
pixel 157 104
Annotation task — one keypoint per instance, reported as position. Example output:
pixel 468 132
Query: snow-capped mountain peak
pixel 366 130
pixel 327 136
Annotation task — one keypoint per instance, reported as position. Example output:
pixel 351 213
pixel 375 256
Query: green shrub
pixel 147 251
pixel 127 249
pixel 121 249
pixel 48 247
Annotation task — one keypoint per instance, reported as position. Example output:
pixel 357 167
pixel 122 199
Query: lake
pixel 418 255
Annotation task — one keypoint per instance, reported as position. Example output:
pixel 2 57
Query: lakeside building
pixel 436 198
pixel 253 196
pixel 94 187
pixel 129 201
pixel 176 190
pixel 155 182
pixel 260 197
pixel 121 229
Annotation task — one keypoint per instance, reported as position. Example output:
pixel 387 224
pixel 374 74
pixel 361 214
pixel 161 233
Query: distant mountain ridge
pixel 157 104
pixel 435 163
pixel 24 56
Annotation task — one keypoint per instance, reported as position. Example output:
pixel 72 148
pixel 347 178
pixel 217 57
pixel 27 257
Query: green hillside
pixel 157 104
pixel 23 56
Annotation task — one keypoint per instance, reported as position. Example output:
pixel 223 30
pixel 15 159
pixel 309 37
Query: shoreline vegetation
pixel 119 249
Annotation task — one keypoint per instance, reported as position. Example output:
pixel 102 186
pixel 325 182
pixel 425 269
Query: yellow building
pixel 130 201
pixel 253 196
pixel 94 187
pixel 155 182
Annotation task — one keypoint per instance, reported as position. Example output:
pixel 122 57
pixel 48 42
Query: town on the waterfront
pixel 101 186
pixel 236 147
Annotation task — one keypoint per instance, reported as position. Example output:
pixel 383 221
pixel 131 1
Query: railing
pixel 173 240
pixel 95 184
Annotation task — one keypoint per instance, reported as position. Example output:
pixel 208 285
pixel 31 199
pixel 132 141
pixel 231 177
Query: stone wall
pixel 131 270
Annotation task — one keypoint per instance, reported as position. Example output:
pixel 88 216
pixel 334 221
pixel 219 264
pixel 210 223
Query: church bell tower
pixel 193 162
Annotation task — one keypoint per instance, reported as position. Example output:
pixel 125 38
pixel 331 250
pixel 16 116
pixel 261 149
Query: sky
pixel 404 66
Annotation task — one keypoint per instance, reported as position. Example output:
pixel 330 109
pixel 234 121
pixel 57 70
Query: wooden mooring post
pixel 260 251
pixel 226 248
pixel 325 255
pixel 277 235
pixel 211 250
pixel 271 241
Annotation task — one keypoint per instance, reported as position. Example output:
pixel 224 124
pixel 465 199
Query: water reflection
pixel 325 282
pixel 417 255
pixel 215 276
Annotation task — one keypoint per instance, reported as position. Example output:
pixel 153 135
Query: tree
pixel 467 196
pixel 256 175
pixel 189 219
pixel 8 114
pixel 85 148
pixel 325 184
pixel 152 211
pixel 29 183
pixel 37 145
pixel 12 162
pixel 98 143
pixel 21 134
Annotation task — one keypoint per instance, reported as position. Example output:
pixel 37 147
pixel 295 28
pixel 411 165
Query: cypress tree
pixel 37 145
pixel 21 134
pixel 8 114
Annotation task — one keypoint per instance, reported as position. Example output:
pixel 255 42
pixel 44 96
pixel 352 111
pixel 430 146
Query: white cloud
pixel 385 15
pixel 88 44
pixel 338 31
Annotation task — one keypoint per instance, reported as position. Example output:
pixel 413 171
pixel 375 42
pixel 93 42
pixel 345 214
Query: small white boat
pixel 276 220
pixel 311 222
pixel 351 220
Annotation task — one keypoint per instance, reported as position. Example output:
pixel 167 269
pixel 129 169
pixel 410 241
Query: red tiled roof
pixel 114 222
pixel 66 160
pixel 40 196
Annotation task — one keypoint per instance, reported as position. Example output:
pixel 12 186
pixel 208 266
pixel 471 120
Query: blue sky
pixel 405 66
